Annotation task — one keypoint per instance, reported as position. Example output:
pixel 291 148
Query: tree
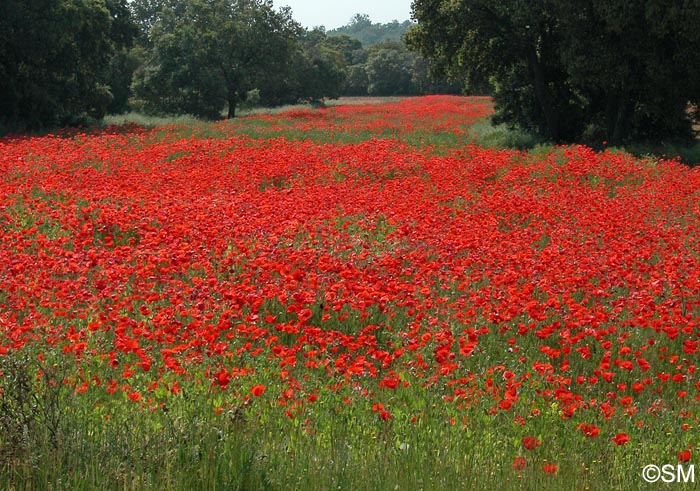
pixel 356 82
pixel 390 69
pixel 52 53
pixel 207 54
pixel 645 69
pixel 345 45
pixel 118 73
pixel 147 13
pixel 118 77
pixel 562 67
pixel 319 67
pixel 511 45
pixel 423 83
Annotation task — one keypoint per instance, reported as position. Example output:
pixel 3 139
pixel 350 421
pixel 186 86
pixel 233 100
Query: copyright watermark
pixel 669 473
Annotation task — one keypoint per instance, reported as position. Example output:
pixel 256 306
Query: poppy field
pixel 354 297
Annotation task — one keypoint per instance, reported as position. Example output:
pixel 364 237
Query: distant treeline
pixel 368 33
pixel 64 62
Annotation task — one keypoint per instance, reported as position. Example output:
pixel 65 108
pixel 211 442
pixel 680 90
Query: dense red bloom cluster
pixel 589 430
pixel 567 276
pixel 530 443
pixel 426 115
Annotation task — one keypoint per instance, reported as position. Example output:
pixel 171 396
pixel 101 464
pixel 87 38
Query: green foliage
pixel 119 76
pixel 356 81
pixel 376 61
pixel 147 13
pixel 646 65
pixel 348 47
pixel 123 29
pixel 208 54
pixel 252 99
pixel 424 83
pixel 390 69
pixel 52 53
pixel 617 70
pixel 319 68
pixel 488 135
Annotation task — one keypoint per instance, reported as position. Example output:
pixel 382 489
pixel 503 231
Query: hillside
pixel 369 33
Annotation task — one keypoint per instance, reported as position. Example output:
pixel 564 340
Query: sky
pixel 336 13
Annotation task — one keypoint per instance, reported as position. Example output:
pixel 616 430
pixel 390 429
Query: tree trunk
pixel 231 102
pixel 551 116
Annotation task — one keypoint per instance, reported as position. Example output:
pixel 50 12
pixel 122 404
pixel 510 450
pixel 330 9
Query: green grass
pixel 150 121
pixel 181 443
pixel 487 134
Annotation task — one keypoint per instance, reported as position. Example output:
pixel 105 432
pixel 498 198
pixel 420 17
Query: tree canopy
pixel 53 59
pixel 390 69
pixel 206 54
pixel 615 69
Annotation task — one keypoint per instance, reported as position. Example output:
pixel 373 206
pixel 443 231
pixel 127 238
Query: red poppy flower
pixel 589 430
pixel 684 456
pixel 621 439
pixel 222 378
pixel 519 463
pixel 530 442
pixel 389 382
pixel 257 390
pixel 505 404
